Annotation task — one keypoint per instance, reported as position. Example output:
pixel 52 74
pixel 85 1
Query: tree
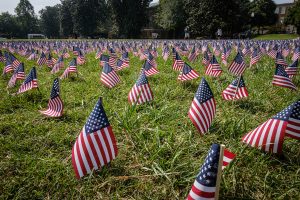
pixel 264 13
pixel 87 14
pixel 293 16
pixel 130 16
pixel 8 24
pixel 206 16
pixel 50 22
pixel 171 15
pixel 26 17
pixel 66 20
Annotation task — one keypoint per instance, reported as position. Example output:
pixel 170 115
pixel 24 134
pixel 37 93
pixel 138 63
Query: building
pixel 282 7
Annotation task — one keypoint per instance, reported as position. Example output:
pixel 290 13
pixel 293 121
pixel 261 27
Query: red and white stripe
pixel 268 136
pixel 178 65
pixel 237 69
pixel 12 81
pixel 140 94
pixel 28 86
pixel 190 76
pixel 55 108
pixel 68 71
pixel 201 192
pixel 231 92
pixel 227 158
pixel 283 82
pixel 94 150
pixel 111 79
pixel 293 128
pixel 202 114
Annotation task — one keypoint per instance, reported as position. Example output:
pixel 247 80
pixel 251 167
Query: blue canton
pixel 55 89
pixel 97 119
pixel 204 92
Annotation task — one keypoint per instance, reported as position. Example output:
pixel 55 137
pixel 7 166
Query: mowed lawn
pixel 160 151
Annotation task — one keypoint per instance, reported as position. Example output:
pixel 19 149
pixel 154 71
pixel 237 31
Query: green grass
pixel 160 151
pixel 277 37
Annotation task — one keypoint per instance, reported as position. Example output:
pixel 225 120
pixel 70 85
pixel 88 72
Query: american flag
pixel 76 51
pixel 187 73
pixel 80 58
pixel 272 53
pixel 204 187
pixel 281 78
pixel 42 59
pixel 32 55
pixel 103 59
pixel 205 59
pixel 109 77
pixel 224 56
pixel 151 60
pixel 65 54
pixel 203 108
pixel 19 74
pixel 71 69
pixel 235 91
pixel 58 65
pixel 178 62
pixel 193 55
pixel 15 61
pixel 149 69
pixel 269 136
pixel 55 104
pixel 293 126
pixel 141 91
pixel 213 68
pixel 96 145
pixel 30 82
pixel 238 66
pixel 50 61
pixel 165 53
pixel 98 54
pixel 280 60
pixel 255 57
pixel 246 51
pixel 8 67
pixel 293 69
pixel 296 54
pixel 112 57
pixel 286 51
pixel 125 59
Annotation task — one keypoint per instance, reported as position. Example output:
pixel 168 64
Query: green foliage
pixel 26 18
pixel 66 20
pixel 8 24
pixel 131 15
pixel 293 16
pixel 206 16
pixel 87 15
pixel 264 13
pixel 160 151
pixel 171 15
pixel 49 22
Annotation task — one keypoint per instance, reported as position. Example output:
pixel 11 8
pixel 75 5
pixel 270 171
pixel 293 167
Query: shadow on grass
pixel 251 106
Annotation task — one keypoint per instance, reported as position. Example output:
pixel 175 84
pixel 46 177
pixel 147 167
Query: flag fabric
pixel 149 69
pixel 55 104
pixel 293 126
pixel 42 59
pixel 19 74
pixel 80 58
pixel 193 55
pixel 238 66
pixel 151 60
pixel 165 53
pixel 205 59
pixel 109 77
pixel 204 187
pixel 50 61
pixel 203 108
pixel 141 91
pixel 15 61
pixel 213 68
pixel 281 78
pixel 293 69
pixel 96 145
pixel 29 83
pixel 58 65
pixel 178 63
pixel 125 60
pixel 103 59
pixel 187 73
pixel 269 136
pixel 236 90
pixel 255 57
pixel 112 57
pixel 71 69
pixel 8 67
pixel 280 60
pixel 227 158
pixel 296 54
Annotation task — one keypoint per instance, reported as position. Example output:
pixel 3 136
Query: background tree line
pixel 125 18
